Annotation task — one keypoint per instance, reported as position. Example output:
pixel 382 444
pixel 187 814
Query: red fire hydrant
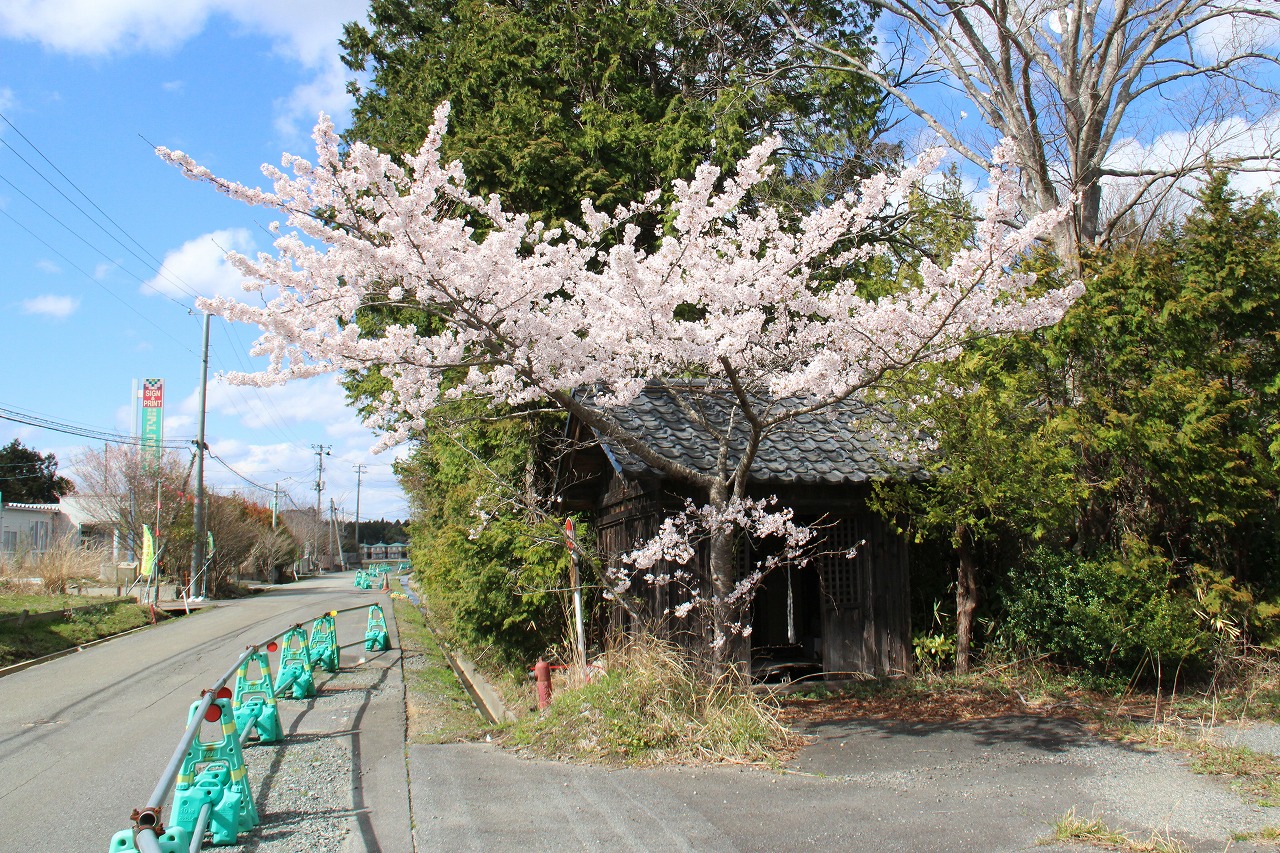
pixel 542 675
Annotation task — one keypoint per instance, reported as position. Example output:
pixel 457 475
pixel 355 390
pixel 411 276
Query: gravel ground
pixel 305 786
pixel 1260 737
pixel 1155 791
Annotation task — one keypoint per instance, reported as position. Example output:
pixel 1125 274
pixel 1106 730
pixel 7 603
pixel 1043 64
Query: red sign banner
pixel 153 393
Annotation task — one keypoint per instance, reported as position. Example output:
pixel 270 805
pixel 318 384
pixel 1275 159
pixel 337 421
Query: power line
pixel 106 289
pixel 155 263
pixel 215 457
pixel 74 233
pixel 82 432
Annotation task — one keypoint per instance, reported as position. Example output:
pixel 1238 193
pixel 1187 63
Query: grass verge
pixel 1072 829
pixel 439 709
pixel 15 603
pixel 648 706
pixel 30 641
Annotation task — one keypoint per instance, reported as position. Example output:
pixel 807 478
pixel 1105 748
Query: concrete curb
pixel 486 699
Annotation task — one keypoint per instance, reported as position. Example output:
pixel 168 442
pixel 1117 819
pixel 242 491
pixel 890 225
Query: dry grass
pixel 1248 689
pixel 1071 829
pixel 63 565
pixel 646 704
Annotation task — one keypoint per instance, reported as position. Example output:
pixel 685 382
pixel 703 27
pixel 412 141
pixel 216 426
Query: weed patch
pixel 439 709
pixel 650 706
pixel 1267 833
pixel 30 641
pixel 1072 829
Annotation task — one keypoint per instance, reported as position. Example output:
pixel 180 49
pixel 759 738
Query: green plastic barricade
pixel 254 701
pixel 174 840
pixel 222 781
pixel 324 642
pixel 375 635
pixel 295 665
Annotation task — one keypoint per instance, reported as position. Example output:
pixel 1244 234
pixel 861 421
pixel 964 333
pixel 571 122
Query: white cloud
pixel 60 307
pixel 1232 137
pixel 200 265
pixel 305 33
pixel 319 400
pixel 48 266
pixel 97 27
pixel 326 92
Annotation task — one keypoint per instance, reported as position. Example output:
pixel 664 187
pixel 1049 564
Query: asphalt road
pixel 83 739
pixel 988 786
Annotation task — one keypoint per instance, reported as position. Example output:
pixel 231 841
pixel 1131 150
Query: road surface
pixel 84 739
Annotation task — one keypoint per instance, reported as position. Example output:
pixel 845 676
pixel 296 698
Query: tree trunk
pixel 725 651
pixel 966 598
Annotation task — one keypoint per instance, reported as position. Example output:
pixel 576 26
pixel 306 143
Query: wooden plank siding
pixel 864 605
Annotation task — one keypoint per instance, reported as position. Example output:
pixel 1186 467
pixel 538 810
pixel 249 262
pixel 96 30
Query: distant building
pixel 29 530
pixel 384 552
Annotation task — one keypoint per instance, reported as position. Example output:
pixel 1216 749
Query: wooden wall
pixel 864 601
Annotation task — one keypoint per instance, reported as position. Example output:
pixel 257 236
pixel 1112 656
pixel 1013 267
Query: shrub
pixel 1103 613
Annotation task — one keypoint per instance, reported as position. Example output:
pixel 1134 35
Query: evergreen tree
pixel 27 476
pixel 553 102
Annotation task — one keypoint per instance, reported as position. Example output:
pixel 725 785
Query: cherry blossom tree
pixel 739 295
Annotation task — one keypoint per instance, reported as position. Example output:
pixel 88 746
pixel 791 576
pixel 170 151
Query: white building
pixel 31 529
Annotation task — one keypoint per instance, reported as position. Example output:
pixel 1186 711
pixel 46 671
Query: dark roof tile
pixel 832 446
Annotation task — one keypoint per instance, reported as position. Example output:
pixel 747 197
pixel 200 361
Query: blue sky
pixel 92 85
pixel 89 84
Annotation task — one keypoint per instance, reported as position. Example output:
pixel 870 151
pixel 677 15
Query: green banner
pixel 152 426
pixel 147 564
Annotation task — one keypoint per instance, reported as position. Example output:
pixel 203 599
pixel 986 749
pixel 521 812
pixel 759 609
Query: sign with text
pixel 152 426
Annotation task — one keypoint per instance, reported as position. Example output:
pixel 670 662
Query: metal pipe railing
pixel 146 820
pixel 202 823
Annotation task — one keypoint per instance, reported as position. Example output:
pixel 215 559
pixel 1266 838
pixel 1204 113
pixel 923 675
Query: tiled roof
pixel 835 446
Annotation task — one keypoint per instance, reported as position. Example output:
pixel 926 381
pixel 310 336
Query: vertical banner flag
pixel 208 554
pixel 148 564
pixel 153 418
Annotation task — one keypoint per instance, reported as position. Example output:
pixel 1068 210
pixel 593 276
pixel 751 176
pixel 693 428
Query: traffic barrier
pixel 295 665
pixel 376 638
pixel 222 781
pixel 218 798
pixel 254 700
pixel 173 840
pixel 324 642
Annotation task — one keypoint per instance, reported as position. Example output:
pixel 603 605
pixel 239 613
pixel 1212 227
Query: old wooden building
pixel 836 614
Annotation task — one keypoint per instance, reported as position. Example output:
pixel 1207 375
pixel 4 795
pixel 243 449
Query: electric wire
pixel 216 458
pixel 20 417
pixel 99 284
pixel 85 240
pixel 155 263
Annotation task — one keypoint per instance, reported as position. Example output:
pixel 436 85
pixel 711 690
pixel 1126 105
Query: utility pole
pixel 322 450
pixel 360 471
pixel 275 503
pixel 197 551
pixel 337 534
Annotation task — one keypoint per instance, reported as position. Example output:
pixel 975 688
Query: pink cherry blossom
pixel 530 313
